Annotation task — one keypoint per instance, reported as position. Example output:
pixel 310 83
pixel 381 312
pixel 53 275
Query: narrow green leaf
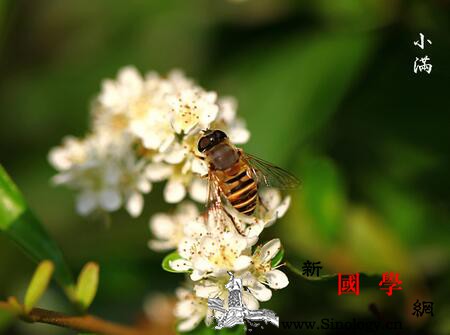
pixel 169 258
pixel 19 224
pixel 365 280
pixel 278 258
pixel 38 284
pixel 87 285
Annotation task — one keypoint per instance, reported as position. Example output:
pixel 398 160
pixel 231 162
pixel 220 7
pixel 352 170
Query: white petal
pixel 135 203
pixel 144 185
pixel 149 140
pixel 251 241
pixel 162 225
pixel 184 309
pixel 248 279
pixel 186 247
pixel 187 210
pixel 228 106
pixel 209 115
pixel 283 207
pixel 86 202
pixel 198 190
pixel 195 227
pixel 185 169
pixel 271 198
pixel 270 249
pixel 189 324
pixel 176 154
pixel 250 301
pixel 174 191
pixel 112 174
pixel 109 95
pixel 209 246
pixel 207 291
pixel 254 230
pixel 130 80
pixel 160 245
pixel 167 142
pixel 182 293
pixel 196 275
pixel 239 135
pixel 199 166
pixel 277 279
pixel 202 264
pixel 158 171
pixel 62 178
pixel 242 263
pixel 110 200
pixel 237 242
pixel 58 158
pixel 180 265
pixel 260 292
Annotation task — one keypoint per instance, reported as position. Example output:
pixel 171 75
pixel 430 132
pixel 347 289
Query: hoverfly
pixel 236 175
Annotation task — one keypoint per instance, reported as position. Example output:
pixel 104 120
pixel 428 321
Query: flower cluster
pixel 143 130
pixel 207 247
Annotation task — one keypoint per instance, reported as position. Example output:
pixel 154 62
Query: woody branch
pixel 85 323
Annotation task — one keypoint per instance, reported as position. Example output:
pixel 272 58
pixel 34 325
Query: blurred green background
pixel 328 91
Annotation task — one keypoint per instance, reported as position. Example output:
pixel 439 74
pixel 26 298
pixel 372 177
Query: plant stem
pixel 84 323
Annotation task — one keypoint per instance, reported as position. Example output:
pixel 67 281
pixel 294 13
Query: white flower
pixel 111 109
pixel 105 173
pixel 212 253
pixel 70 153
pixel 157 121
pixel 145 129
pixel 273 206
pixel 190 309
pixel 215 288
pixel 169 230
pixel 182 155
pixel 193 108
pixel 180 182
pixel 234 127
pixel 262 274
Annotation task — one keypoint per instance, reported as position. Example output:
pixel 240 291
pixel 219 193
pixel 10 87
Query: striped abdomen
pixel 241 191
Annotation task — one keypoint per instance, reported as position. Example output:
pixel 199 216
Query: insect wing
pixel 269 174
pixel 216 213
pixel 214 206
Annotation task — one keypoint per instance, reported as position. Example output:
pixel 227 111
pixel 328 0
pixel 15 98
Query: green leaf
pixel 19 224
pixel 38 284
pixel 278 258
pixel 87 285
pixel 324 197
pixel 171 257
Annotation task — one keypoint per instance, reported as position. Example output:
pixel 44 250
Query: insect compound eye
pixel 220 135
pixel 204 143
pixel 210 140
